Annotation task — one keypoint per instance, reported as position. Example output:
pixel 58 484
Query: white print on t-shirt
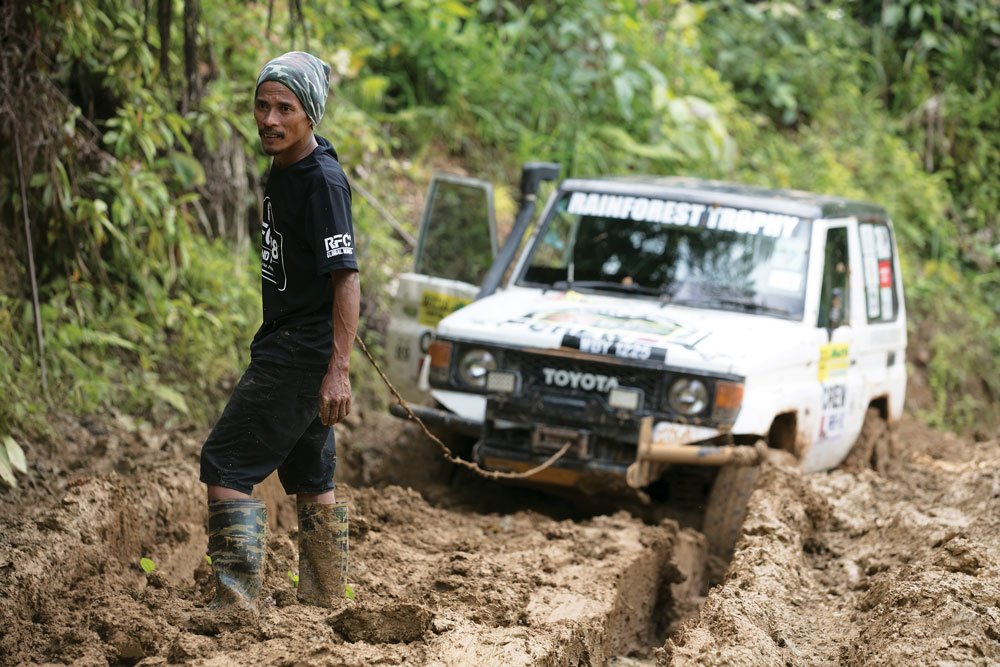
pixel 338 244
pixel 272 259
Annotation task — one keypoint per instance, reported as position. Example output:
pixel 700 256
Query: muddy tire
pixel 726 508
pixel 873 449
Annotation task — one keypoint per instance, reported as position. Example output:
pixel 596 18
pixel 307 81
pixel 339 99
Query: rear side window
pixel 879 265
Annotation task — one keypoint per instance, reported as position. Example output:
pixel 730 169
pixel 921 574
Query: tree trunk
pixel 192 76
pixel 164 12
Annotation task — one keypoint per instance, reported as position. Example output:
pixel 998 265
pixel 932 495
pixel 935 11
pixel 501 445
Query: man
pixel 297 384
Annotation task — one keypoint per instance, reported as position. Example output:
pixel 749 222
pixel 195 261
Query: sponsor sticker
pixel 607 332
pixel 884 273
pixel 870 264
pixel 435 306
pixel 614 346
pixel 834 360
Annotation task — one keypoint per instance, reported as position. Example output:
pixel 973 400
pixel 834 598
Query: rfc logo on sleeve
pixel 338 244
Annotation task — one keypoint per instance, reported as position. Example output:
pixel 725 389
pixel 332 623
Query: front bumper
pixel 632 450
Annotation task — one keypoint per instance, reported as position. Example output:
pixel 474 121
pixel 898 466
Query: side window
pixel 834 310
pixel 881 295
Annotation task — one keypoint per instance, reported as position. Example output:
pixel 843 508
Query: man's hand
pixel 335 397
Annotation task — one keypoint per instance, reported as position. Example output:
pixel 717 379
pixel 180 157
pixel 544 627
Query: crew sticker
pixel 833 417
pixel 683 214
pixel 272 260
pixel 834 360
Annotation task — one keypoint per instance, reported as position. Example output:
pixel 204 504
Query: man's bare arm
pixel 335 393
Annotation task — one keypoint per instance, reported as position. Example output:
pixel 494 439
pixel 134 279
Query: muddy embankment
pixel 863 569
pixel 839 568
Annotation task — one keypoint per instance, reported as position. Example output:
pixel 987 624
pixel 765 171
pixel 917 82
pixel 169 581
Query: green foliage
pixel 149 285
pixel 11 459
pixel 147 565
pixel 785 58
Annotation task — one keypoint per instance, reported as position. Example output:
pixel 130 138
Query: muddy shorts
pixel 272 423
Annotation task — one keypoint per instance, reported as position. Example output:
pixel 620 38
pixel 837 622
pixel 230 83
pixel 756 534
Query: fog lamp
pixel 625 398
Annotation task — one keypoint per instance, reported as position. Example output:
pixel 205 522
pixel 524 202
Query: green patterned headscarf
pixel 305 75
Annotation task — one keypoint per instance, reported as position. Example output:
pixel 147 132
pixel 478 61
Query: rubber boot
pixel 237 539
pixel 322 554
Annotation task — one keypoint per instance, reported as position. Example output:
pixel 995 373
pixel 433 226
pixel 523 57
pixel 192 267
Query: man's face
pixel 282 123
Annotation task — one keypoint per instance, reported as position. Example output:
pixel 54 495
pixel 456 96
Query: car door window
pixel 458 239
pixel 834 306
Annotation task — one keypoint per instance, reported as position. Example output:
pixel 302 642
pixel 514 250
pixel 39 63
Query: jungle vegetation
pixel 129 159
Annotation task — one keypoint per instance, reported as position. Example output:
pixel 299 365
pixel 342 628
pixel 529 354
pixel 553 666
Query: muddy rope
pixel 488 474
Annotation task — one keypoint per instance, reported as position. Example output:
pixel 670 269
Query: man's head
pixel 289 101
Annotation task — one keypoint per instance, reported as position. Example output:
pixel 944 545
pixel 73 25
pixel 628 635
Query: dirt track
pixel 836 568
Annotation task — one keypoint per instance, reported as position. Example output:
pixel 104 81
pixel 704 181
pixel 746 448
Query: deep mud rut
pixel 839 568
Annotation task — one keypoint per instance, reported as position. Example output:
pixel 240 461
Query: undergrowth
pixel 143 174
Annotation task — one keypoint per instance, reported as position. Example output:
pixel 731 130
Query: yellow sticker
pixel 435 306
pixel 834 360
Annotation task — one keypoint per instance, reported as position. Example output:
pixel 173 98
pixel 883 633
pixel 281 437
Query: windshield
pixel 682 252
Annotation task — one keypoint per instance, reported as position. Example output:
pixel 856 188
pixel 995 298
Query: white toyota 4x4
pixel 652 323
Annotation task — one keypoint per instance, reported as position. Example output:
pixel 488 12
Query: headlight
pixel 474 366
pixel 688 396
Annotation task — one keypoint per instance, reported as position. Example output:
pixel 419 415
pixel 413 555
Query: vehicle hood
pixel 631 328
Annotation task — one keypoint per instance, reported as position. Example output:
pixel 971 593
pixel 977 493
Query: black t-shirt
pixel 307 232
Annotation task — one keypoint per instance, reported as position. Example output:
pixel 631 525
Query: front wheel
pixel 873 448
pixel 726 508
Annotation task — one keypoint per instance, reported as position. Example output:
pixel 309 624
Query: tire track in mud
pixel 860 569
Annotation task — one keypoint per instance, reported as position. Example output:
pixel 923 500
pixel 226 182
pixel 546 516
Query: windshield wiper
pixel 611 286
pixel 744 303
pixel 750 305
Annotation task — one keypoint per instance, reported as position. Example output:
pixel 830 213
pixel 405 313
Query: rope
pixel 488 474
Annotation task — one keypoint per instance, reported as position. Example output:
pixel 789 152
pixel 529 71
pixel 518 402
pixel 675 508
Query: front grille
pixel 531 367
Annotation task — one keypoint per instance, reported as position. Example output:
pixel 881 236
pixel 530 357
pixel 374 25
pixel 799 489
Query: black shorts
pixel 272 423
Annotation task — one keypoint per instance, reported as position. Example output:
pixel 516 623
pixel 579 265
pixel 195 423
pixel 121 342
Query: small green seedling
pixel 208 559
pixel 147 565
pixel 349 592
pixel 294 578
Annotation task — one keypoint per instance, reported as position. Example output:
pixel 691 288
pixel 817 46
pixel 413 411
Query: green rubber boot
pixel 237 539
pixel 322 553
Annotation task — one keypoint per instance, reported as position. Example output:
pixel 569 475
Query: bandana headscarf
pixel 305 75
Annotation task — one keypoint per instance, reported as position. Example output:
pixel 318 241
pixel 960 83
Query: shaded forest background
pixel 129 158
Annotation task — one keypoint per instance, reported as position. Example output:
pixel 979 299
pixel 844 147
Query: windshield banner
pixel 683 214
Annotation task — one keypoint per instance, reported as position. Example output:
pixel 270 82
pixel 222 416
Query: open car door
pixel 455 249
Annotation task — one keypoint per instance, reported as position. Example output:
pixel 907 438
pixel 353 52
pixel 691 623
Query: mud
pixel 863 569
pixel 433 585
pixel 852 568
